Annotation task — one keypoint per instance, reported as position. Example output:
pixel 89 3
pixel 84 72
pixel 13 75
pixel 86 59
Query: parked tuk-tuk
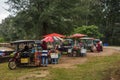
pixel 74 49
pixel 27 53
pixel 88 42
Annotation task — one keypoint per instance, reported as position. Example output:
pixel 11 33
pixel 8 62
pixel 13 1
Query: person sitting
pixel 24 52
pixel 26 48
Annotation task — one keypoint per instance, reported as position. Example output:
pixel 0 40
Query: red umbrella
pixel 54 34
pixel 51 39
pixel 48 39
pixel 78 35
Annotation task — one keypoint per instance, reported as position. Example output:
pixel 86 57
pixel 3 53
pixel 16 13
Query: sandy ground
pixel 70 62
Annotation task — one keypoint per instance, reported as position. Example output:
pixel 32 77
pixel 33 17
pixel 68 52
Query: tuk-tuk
pixel 72 48
pixel 88 42
pixel 101 45
pixel 27 53
pixel 67 46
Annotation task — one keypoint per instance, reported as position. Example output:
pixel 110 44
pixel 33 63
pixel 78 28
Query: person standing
pixel 44 54
pixel 101 46
pixel 98 46
pixel 44 45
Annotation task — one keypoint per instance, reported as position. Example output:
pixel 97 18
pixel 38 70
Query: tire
pixel 12 65
pixel 74 54
pixel 91 49
pixel 0 58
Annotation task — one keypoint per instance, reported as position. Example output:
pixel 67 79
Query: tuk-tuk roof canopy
pixel 87 38
pixel 25 41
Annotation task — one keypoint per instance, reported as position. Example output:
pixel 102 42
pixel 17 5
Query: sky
pixel 3 12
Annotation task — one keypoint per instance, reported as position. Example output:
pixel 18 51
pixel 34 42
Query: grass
pixel 7 74
pixel 96 68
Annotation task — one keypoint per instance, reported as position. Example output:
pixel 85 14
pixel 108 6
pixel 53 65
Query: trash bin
pixel 106 44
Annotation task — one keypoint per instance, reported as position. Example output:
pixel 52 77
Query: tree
pixel 91 31
pixel 111 18
pixel 7 30
pixel 43 16
pixel 35 18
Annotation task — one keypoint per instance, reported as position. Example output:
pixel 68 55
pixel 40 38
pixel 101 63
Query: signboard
pixel 69 50
pixel 24 60
pixel 54 55
pixel 83 50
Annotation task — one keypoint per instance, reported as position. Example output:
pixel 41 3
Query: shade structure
pixel 87 38
pixel 48 39
pixel 77 35
pixel 52 39
pixel 54 34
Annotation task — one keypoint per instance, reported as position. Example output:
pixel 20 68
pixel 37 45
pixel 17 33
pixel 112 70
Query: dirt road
pixel 69 62
pixel 113 47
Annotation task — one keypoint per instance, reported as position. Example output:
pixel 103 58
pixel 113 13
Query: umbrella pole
pixel 75 43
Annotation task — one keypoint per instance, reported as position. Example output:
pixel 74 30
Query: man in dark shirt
pixel 44 55
pixel 44 45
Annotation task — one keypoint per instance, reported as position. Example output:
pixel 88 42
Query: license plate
pixel 24 60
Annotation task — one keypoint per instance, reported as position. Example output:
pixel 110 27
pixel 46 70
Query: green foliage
pixel 41 17
pixel 35 18
pixel 111 21
pixel 2 39
pixel 91 31
pixel 7 30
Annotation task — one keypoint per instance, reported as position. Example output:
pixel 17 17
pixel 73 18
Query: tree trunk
pixel 45 25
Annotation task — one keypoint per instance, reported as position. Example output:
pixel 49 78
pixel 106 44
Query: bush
pixel 91 31
pixel 1 39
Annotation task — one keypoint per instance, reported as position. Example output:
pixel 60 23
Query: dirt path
pixel 106 52
pixel 68 62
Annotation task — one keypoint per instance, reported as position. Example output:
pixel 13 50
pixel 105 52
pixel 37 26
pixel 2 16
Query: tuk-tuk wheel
pixel 91 50
pixel 74 54
pixel 12 65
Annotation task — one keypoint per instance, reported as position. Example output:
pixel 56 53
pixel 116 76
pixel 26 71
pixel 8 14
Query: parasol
pixel 77 35
pixel 52 39
pixel 54 34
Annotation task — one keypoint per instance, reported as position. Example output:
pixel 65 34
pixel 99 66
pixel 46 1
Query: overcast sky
pixel 3 12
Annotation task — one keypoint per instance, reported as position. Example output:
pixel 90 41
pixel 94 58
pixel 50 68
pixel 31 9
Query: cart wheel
pixel 91 50
pixel 12 65
pixel 74 54
pixel 69 54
